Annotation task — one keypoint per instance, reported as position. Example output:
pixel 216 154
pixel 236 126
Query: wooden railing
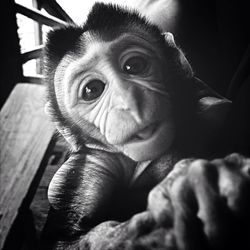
pixel 52 7
pixel 34 53
pixel 39 16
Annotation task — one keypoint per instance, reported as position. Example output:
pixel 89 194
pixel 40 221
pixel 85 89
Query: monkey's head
pixel 117 83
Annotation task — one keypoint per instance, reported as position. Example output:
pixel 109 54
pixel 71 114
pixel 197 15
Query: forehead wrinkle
pixel 123 41
pixel 82 64
pixel 95 49
pixel 128 40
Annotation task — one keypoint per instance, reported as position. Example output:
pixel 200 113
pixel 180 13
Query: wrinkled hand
pixel 206 202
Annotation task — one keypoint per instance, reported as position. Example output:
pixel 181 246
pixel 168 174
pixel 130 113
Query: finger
pixel 234 183
pixel 160 206
pixel 239 162
pixel 212 210
pixel 159 202
pixel 187 227
pixel 140 224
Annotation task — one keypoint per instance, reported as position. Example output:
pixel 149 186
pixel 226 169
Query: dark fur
pixel 74 212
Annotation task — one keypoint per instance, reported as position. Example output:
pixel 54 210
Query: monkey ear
pixel 169 38
pixel 214 109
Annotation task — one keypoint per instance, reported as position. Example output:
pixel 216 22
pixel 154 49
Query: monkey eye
pixel 135 65
pixel 92 90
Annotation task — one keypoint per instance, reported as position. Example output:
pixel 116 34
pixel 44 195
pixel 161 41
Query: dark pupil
pixel 135 65
pixel 93 90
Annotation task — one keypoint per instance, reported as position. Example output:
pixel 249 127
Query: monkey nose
pixel 132 111
pixel 130 103
pixel 136 115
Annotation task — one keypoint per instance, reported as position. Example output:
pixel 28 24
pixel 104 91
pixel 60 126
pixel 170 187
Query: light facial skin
pixel 119 87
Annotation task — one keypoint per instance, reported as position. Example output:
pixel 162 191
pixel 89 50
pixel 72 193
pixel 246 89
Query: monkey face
pixel 118 87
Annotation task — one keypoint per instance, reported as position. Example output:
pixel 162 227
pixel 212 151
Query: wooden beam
pixel 39 16
pixel 38 79
pixel 25 134
pixel 54 9
pixel 38 36
pixel 32 54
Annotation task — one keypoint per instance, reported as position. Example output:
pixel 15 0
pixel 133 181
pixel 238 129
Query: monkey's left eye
pixel 135 65
pixel 92 90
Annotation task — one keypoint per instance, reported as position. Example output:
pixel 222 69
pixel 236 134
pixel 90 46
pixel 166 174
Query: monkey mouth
pixel 144 133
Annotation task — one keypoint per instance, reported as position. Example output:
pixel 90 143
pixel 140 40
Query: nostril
pixel 136 116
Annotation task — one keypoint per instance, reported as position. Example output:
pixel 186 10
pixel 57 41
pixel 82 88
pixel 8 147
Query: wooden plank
pixel 39 16
pixel 32 54
pixel 38 79
pixel 38 33
pixel 54 9
pixel 25 133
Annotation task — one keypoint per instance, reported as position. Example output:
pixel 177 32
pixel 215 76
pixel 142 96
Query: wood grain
pixel 25 133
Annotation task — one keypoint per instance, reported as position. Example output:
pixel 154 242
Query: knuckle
pixel 139 221
pixel 159 205
pixel 180 189
pixel 154 195
pixel 180 169
pixel 238 163
pixel 199 168
pixel 234 157
pixel 235 160
pixel 203 173
pixel 246 168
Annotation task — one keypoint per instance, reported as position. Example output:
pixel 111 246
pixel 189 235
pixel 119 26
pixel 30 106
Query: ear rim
pixel 169 38
pixel 214 109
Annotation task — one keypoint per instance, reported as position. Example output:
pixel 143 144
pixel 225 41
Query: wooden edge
pixel 39 16
pixel 37 79
pixel 54 9
pixel 32 54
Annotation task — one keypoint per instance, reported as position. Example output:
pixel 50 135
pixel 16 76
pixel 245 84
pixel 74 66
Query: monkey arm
pixel 199 204
pixel 207 202
pixel 80 193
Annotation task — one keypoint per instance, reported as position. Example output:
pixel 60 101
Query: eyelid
pixel 133 52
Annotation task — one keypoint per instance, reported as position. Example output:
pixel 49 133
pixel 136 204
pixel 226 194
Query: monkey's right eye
pixel 92 90
pixel 135 65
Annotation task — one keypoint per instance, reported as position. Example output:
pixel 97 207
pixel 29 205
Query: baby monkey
pixel 125 98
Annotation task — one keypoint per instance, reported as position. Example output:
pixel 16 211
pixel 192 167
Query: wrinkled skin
pixel 200 205
pixel 207 202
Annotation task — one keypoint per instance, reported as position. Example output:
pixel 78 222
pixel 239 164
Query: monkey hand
pixel 206 203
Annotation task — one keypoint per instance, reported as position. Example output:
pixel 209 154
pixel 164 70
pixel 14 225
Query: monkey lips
pixel 154 139
pixel 144 133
